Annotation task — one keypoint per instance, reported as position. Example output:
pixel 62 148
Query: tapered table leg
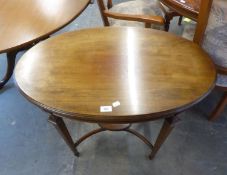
pixel 11 56
pixel 59 124
pixel 167 127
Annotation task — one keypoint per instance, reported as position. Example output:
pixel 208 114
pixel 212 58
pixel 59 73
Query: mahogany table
pixel 187 8
pixel 115 77
pixel 26 22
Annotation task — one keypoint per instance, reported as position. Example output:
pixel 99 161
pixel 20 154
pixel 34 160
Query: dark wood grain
pixel 152 73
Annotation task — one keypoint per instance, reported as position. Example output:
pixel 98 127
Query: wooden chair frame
pixel 147 19
pixel 203 17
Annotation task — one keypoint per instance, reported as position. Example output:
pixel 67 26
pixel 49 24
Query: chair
pixel 139 13
pixel 211 34
pixel 170 14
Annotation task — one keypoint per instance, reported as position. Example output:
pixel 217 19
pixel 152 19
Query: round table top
pixel 26 21
pixel 187 8
pixel 146 73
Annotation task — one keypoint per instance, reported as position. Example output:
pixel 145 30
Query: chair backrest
pixel 211 32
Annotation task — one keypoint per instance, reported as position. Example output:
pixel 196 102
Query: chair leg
pixel 180 20
pixel 167 23
pixel 219 108
pixel 102 8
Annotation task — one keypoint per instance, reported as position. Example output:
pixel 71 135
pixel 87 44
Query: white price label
pixel 105 108
pixel 116 104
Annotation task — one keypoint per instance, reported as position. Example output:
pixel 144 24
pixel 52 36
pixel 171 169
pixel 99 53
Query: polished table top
pixel 25 21
pixel 151 73
pixel 187 8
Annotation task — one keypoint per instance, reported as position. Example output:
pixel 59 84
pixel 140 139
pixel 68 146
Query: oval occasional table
pixel 26 22
pixel 187 8
pixel 115 77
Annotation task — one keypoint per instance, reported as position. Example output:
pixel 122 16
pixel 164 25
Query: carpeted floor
pixel 30 145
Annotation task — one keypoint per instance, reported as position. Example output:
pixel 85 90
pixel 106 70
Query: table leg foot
pixel 166 129
pixel 11 56
pixel 59 124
